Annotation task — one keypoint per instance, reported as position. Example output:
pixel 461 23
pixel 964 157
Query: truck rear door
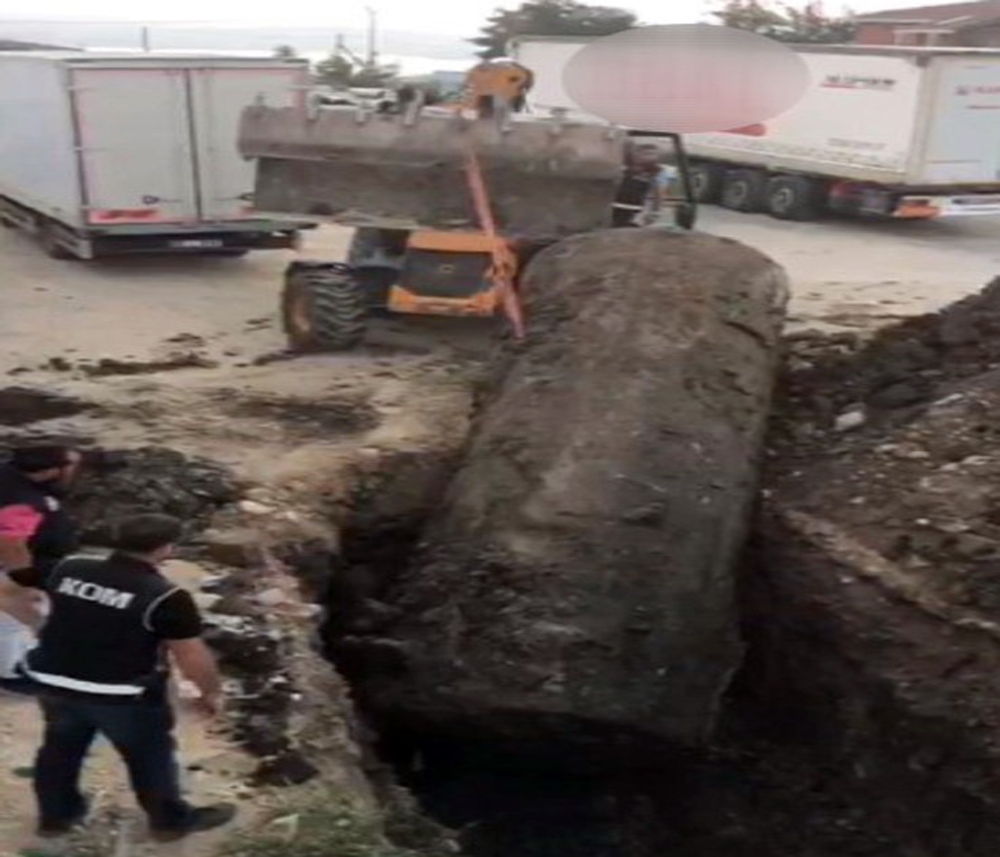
pixel 962 144
pixel 135 145
pixel 218 97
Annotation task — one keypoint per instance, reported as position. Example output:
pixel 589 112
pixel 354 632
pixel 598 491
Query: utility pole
pixel 371 54
pixel 145 38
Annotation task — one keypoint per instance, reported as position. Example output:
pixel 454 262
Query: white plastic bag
pixel 15 641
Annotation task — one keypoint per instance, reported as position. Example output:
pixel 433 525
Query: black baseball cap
pixel 35 459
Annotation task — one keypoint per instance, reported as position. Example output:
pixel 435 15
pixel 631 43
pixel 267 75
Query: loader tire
pixel 744 190
pixel 323 308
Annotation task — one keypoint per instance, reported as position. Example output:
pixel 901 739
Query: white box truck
pixel 104 154
pixel 884 131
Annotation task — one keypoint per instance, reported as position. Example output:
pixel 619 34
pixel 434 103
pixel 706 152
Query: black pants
pixel 623 217
pixel 141 732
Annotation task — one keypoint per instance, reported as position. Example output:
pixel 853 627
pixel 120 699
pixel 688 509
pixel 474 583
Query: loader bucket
pixel 545 178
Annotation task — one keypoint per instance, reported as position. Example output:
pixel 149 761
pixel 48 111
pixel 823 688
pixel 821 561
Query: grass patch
pixel 323 824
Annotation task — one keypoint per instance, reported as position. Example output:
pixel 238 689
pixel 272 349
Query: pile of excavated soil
pixel 902 368
pixel 150 479
pixel 872 604
pixel 20 406
pixel 898 441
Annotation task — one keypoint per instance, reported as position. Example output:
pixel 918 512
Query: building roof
pixel 947 14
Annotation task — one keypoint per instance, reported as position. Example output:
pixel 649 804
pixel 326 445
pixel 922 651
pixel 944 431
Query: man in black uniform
pixel 34 531
pixel 100 666
pixel 34 528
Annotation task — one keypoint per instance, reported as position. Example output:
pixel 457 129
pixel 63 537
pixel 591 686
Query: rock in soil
pixel 577 583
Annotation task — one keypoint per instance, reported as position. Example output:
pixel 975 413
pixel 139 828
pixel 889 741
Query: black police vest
pixel 634 189
pixel 98 639
pixel 56 536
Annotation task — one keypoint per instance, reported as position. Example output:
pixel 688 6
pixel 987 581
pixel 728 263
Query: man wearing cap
pixel 644 185
pixel 35 530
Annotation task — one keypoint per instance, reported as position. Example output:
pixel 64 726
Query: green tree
pixel 339 72
pixel 549 18
pixel 285 52
pixel 375 75
pixel 786 23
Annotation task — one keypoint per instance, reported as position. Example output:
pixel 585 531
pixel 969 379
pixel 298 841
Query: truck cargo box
pixel 916 117
pixel 97 149
pixel 917 121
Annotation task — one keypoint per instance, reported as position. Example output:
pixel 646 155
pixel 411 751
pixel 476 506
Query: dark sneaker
pixel 202 818
pixel 54 829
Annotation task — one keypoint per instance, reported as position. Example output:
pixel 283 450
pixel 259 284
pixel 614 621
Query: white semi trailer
pixel 885 131
pixel 104 154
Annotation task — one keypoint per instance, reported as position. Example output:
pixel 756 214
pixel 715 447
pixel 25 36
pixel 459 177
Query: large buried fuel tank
pixel 546 177
pixel 575 589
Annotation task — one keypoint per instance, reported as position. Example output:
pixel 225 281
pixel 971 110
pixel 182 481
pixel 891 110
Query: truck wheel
pixel 49 239
pixel 707 182
pixel 323 308
pixel 793 198
pixel 744 190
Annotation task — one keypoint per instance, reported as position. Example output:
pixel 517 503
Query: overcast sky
pixel 415 15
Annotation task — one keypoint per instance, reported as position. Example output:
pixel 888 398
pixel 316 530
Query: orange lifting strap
pixel 504 268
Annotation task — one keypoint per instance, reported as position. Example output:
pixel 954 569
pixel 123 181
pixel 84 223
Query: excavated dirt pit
pixel 826 748
pixel 863 721
pixel 747 795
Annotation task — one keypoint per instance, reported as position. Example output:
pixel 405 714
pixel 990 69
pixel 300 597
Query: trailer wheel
pixel 744 190
pixel 707 182
pixel 323 308
pixel 793 198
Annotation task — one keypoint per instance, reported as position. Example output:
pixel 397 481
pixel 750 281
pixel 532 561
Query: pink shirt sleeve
pixel 19 522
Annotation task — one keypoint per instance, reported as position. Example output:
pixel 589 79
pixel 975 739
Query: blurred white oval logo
pixel 685 78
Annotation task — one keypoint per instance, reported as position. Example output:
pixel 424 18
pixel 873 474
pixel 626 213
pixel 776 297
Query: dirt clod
pixel 333 414
pixel 21 406
pixel 109 366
